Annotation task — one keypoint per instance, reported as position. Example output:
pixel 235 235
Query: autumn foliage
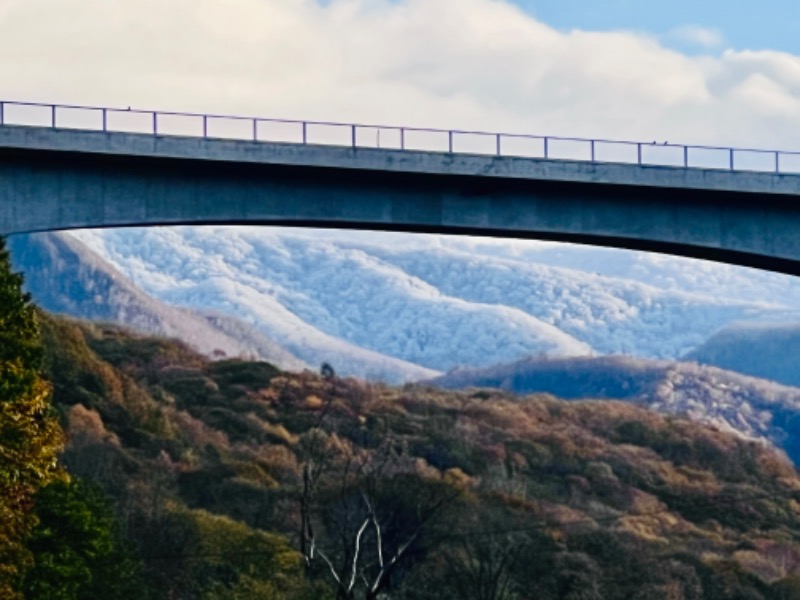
pixel 235 480
pixel 30 438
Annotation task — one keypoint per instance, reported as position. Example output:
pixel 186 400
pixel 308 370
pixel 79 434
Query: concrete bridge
pixel 56 178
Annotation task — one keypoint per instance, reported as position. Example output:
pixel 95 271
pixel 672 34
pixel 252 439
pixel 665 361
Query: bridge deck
pixel 391 160
pixel 54 178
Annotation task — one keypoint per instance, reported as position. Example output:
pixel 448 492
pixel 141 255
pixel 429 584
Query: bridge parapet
pixel 400 138
pixel 64 176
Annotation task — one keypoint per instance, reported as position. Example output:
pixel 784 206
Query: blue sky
pixel 743 24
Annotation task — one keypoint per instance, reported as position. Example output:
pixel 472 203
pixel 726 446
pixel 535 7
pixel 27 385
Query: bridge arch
pixel 53 179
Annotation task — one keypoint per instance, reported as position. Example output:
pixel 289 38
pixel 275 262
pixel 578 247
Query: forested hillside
pixel 762 350
pixel 232 479
pixel 728 400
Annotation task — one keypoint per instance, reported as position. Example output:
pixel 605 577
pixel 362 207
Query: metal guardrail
pixel 258 129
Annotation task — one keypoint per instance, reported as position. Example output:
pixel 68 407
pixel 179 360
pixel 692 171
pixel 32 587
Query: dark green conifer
pixel 78 552
pixel 30 437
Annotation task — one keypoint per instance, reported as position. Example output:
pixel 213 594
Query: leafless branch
pixel 356 554
pixel 331 567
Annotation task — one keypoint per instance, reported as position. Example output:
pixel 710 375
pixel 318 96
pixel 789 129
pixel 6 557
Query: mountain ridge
pixel 400 308
pixel 425 299
pixel 753 407
pixel 766 350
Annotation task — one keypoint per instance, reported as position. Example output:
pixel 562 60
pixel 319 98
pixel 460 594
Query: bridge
pixel 67 166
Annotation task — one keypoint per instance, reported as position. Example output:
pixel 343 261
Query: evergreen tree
pixel 30 437
pixel 78 552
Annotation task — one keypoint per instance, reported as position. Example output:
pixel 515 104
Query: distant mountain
pixel 65 276
pixel 731 401
pixel 620 314
pixel 293 287
pixel 395 307
pixel 768 350
pixel 445 302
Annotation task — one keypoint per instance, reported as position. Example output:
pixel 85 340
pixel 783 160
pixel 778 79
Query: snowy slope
pixel 611 314
pixel 293 333
pixel 65 277
pixel 443 302
pixel 663 271
pixel 281 282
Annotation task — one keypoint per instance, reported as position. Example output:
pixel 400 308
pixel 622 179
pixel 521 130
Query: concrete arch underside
pixel 60 179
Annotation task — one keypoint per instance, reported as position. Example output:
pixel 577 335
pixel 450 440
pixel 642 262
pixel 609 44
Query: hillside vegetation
pixel 762 350
pixel 30 438
pixel 232 479
pixel 728 400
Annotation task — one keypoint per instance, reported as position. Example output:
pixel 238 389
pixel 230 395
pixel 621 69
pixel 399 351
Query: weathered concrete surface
pixel 61 179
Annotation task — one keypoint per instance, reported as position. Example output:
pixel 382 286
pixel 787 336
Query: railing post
pixel 155 123
pixel 53 116
pixel 353 135
pixel 639 154
pixel 499 152
pixel 255 130
pixel 546 150
pixel 104 113
pixel 777 162
pixel 731 157
pixel 205 126
pixel 2 106
pixel 305 133
pixel 450 142
pixel 686 157
pixel 592 146
pixel 402 139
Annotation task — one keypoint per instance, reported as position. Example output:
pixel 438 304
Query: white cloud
pixel 444 63
pixel 696 35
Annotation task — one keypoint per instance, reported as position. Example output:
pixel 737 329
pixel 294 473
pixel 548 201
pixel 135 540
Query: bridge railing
pixel 355 135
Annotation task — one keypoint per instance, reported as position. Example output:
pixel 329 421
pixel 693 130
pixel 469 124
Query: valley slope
pixel 208 465
pixel 730 401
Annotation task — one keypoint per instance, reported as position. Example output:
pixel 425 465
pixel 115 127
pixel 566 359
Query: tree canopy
pixel 30 437
pixel 228 474
pixel 78 552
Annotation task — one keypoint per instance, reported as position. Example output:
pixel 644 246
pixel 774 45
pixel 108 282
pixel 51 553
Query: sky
pixel 701 72
pixel 693 26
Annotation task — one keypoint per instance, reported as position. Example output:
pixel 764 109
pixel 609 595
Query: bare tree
pixel 362 511
pixel 483 568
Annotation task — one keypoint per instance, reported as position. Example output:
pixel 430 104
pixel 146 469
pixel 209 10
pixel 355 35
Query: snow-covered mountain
pixel 401 308
pixel 612 314
pixel 286 284
pixel 443 302
pixel 65 276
